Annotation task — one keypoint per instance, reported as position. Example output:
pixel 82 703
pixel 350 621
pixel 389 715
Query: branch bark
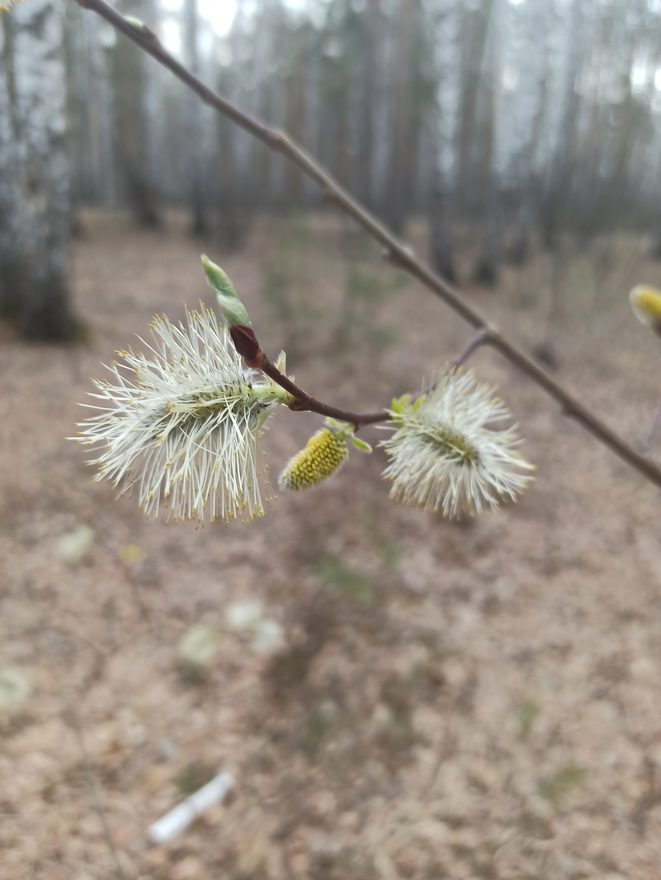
pixel 247 345
pixel 303 402
pixel 397 250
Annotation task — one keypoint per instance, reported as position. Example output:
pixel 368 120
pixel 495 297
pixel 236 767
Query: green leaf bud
pixel 233 311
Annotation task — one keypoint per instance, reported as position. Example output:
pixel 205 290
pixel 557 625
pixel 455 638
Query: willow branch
pixel 247 345
pixel 397 250
pixel 479 338
pixel 305 402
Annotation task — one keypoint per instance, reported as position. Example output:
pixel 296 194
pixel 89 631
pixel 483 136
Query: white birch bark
pixel 531 26
pixel 448 119
pixel 9 198
pixel 35 175
pixel 196 166
pixel 136 109
pixel 495 151
pixel 563 100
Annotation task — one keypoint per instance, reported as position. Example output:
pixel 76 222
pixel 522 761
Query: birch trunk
pixel 562 124
pixel 399 159
pixel 34 174
pixel 448 101
pixel 133 113
pixel 195 134
pixel 531 28
pixel 368 98
pixel 494 146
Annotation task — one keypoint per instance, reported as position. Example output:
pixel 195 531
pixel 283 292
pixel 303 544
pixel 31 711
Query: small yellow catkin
pixel 322 455
pixel 646 304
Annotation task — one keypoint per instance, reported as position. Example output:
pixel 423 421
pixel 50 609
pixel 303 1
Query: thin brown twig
pixel 479 338
pixel 305 402
pixel 247 345
pixel 398 252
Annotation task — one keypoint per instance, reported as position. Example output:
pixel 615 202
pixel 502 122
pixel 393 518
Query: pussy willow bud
pixel 646 304
pixel 322 455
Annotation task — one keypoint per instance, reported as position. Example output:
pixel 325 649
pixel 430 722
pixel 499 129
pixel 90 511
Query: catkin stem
pixel 305 402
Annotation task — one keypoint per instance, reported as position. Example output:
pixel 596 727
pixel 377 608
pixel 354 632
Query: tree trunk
pixel 368 98
pixel 519 247
pixel 488 262
pixel 195 134
pixel 530 35
pixel 446 169
pixel 400 160
pixel 34 174
pixel 493 152
pixel 133 121
pixel 563 123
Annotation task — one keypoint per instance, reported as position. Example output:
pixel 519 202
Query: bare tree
pixel 194 125
pixel 530 31
pixel 492 160
pixel 34 174
pixel 400 157
pixel 372 24
pixel 448 105
pixel 134 121
pixel 562 121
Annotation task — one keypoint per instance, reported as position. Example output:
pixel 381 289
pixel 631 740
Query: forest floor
pixel 472 700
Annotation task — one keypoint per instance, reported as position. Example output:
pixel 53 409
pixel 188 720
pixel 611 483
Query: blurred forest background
pixel 520 120
pixel 397 696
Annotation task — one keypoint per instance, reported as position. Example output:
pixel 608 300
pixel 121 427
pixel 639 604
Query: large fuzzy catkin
pixel 180 424
pixel 445 453
pixel 322 455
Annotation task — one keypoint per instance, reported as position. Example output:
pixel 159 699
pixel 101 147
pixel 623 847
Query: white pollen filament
pixel 180 426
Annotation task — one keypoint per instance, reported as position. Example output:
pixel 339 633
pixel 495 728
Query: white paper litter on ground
pixel 179 818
